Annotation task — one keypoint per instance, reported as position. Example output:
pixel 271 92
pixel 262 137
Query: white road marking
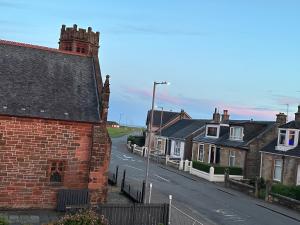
pixel 134 168
pixel 127 157
pixel 161 178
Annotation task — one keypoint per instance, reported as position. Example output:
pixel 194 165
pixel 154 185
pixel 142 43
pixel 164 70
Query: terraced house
pixel 53 113
pixel 234 143
pixel 280 160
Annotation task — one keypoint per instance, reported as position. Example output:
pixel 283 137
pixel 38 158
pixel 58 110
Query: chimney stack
pixel 182 114
pixel 225 116
pixel 297 114
pixel 216 116
pixel 281 119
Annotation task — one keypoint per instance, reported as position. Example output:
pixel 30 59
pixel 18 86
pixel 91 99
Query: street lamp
pixel 150 134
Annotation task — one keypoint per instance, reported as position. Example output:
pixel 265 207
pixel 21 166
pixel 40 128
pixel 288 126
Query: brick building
pixel 53 113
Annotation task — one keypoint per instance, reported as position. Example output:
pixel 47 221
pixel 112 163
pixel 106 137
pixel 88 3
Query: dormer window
pixel 212 131
pixel 236 133
pixel 287 139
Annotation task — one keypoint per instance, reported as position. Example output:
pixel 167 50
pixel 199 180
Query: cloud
pixel 203 104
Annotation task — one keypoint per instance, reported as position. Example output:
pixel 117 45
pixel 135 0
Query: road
pixel 209 203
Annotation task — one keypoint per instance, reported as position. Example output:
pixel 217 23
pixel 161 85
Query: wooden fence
pixel 135 214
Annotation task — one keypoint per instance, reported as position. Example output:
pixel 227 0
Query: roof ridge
pixel 20 44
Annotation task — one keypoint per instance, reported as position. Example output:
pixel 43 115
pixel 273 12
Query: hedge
pixel 138 140
pixel 218 169
pixel 288 191
pixel 3 221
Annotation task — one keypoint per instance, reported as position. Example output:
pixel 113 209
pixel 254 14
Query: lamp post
pixel 150 134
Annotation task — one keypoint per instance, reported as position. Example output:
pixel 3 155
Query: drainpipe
pixel 260 170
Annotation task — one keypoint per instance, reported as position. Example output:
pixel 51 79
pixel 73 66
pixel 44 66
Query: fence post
pixel 211 173
pixel 170 207
pixel 143 192
pixel 150 192
pixel 186 165
pixel 226 177
pixel 268 189
pixel 117 172
pixel 167 159
pixel 181 165
pixel 256 187
pixel 123 180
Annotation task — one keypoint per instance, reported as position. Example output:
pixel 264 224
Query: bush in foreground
pixel 288 191
pixel 3 221
pixel 87 217
pixel 218 169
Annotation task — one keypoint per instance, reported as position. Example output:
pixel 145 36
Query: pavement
pixel 209 203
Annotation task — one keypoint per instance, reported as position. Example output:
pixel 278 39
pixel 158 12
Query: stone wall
pixel 28 148
pixel 289 168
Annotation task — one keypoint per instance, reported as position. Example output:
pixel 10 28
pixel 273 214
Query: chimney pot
pixel 281 119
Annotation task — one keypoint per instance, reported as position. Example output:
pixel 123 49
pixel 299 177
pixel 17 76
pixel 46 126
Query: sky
pixel 239 55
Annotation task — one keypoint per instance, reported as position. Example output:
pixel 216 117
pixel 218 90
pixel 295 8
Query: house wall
pixel 240 156
pixel 252 166
pixel 27 148
pixel 289 168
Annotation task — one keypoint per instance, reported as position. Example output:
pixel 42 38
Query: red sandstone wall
pixel 26 148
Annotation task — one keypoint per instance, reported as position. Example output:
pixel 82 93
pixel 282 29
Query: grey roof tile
pixel 47 84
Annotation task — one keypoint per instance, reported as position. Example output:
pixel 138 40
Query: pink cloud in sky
pixel 206 105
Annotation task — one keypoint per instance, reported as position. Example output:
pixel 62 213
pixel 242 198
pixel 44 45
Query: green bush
pixel 201 166
pixel 86 217
pixel 288 191
pixel 218 169
pixel 138 140
pixel 3 221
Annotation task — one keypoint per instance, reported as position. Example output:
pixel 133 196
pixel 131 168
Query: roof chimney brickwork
pixel 216 116
pixel 297 114
pixel 281 119
pixel 225 116
pixel 79 40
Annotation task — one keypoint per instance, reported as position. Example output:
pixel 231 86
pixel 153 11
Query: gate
pixel 135 214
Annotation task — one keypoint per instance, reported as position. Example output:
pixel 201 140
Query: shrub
pixel 201 166
pixel 288 191
pixel 218 169
pixel 87 217
pixel 138 140
pixel 3 221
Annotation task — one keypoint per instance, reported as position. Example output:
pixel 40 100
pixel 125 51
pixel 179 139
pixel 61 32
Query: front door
pixel 298 175
pixel 212 154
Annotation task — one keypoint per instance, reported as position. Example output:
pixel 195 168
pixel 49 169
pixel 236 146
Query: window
pixel 212 131
pixel 201 152
pixel 287 138
pixel 282 134
pixel 277 170
pixel 231 158
pixel 56 171
pixel 158 144
pixel 291 138
pixel 177 148
pixel 236 133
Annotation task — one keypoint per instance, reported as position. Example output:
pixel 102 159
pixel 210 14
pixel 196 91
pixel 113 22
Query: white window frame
pixel 177 146
pixel 277 167
pixel 232 155
pixel 212 126
pixel 234 136
pixel 286 146
pixel 203 152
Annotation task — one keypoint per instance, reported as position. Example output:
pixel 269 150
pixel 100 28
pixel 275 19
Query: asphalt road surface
pixel 207 202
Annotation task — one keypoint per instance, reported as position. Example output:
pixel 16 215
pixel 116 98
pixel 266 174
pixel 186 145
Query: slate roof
pixel 47 83
pixel 166 117
pixel 183 128
pixel 291 125
pixel 252 129
pixel 270 148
